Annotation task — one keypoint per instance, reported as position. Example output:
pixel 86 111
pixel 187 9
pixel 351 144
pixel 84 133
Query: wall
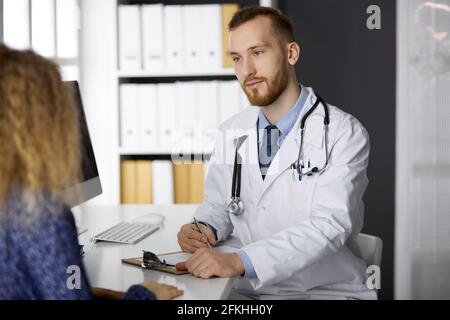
pixel 354 68
pixel 423 151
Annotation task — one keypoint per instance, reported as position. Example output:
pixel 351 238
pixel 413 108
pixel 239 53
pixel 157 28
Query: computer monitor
pixel 89 185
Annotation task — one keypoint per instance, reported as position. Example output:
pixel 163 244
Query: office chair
pixel 371 248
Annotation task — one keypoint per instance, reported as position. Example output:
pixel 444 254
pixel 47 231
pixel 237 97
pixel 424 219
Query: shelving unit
pixel 102 71
pixel 202 148
pixel 143 152
pixel 50 29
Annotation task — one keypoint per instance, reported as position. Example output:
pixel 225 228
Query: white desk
pixel 103 260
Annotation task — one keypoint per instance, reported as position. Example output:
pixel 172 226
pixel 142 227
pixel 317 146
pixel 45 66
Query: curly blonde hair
pixel 39 132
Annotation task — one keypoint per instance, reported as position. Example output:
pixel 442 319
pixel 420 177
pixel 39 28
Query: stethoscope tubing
pixel 237 167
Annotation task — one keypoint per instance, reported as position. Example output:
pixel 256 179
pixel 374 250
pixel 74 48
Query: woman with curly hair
pixel 40 157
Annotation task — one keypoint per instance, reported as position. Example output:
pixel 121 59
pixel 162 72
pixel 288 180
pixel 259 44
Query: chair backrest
pixel 371 248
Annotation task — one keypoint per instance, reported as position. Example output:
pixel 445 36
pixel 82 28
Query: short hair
pixel 281 23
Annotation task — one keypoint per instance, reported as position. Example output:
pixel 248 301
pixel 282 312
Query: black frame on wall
pixel 353 68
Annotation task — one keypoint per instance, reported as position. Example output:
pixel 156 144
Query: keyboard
pixel 126 232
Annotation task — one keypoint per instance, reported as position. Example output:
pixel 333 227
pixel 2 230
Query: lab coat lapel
pixel 288 152
pixel 249 151
pixel 250 168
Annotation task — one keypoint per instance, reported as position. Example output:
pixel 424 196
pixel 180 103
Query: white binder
pixel 147 111
pixel 43 27
pixel 162 182
pixel 229 99
pixel 208 103
pixel 187 111
pixel 16 24
pixel 173 26
pixel 211 31
pixel 129 38
pixel 129 115
pixel 67 26
pixel 192 36
pixel 166 110
pixel 152 37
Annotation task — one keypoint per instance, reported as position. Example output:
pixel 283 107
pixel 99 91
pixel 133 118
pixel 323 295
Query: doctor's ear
pixel 293 53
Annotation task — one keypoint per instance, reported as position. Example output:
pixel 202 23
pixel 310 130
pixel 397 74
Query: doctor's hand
pixel 206 263
pixel 190 239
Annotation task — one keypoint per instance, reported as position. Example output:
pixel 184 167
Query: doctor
pixel 293 199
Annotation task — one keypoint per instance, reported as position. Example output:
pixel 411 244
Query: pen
pixel 201 231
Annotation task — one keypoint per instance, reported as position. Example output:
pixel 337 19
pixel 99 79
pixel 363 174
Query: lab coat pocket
pixel 301 194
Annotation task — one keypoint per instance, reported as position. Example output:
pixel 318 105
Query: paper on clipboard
pixel 173 258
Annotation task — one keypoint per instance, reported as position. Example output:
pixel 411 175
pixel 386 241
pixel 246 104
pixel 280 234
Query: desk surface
pixel 103 260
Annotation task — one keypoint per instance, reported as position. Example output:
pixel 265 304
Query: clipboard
pixel 138 262
pixel 170 255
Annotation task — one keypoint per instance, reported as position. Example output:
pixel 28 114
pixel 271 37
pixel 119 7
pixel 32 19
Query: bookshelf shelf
pixel 175 73
pixel 131 152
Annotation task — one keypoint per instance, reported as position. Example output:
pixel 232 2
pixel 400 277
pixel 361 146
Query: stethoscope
pixel 236 206
pixel 300 165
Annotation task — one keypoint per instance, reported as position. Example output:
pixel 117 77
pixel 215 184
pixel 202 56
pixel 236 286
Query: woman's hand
pixel 101 293
pixel 162 291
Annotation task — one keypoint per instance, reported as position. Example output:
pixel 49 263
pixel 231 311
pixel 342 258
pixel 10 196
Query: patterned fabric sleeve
pixel 49 251
pixel 138 292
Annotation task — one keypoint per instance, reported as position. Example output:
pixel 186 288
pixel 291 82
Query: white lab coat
pixel 299 235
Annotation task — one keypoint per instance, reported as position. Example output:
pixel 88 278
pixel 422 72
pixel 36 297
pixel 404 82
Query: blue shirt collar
pixel 286 123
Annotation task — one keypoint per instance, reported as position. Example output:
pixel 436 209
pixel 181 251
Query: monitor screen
pixel 89 185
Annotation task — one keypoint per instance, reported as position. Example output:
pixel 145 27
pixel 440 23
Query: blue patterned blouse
pixel 37 257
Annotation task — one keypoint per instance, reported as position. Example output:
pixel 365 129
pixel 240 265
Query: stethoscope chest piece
pixel 236 206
